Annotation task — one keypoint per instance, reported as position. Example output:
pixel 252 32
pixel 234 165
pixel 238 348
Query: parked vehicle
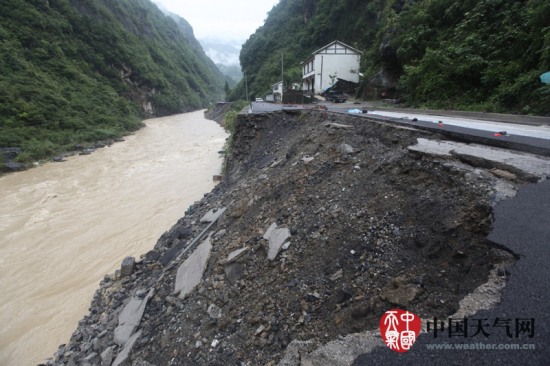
pixel 259 99
pixel 336 97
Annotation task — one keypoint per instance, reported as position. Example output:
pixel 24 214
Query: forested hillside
pixel 473 55
pixel 75 71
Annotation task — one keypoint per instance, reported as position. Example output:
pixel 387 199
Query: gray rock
pixel 398 292
pixel 125 352
pixel 12 166
pixel 345 149
pixel 236 254
pixel 214 312
pixel 337 275
pixel 90 357
pixel 277 238
pixel 130 317
pixel 338 126
pixel 190 273
pixel 294 352
pixel 10 153
pixel 98 344
pixel 60 352
pixel 85 347
pixel 87 151
pixel 220 233
pixel 107 356
pixel 504 174
pixel 127 267
pixel 234 272
pixel 269 230
pixel 213 215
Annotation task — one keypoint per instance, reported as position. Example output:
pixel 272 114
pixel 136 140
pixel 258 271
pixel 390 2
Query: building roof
pixel 328 46
pixel 333 42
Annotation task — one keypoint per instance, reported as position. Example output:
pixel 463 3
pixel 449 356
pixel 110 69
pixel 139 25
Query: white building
pixel 277 89
pixel 334 61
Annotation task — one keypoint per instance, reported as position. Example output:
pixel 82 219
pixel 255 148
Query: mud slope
pixel 364 224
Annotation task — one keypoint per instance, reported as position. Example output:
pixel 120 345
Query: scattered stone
pixel 151 256
pixel 214 312
pixel 234 272
pixel 270 230
pixel 125 352
pixel 337 275
pixel 87 151
pixel 399 292
pixel 233 256
pixel 12 166
pixel 338 126
pixel 190 273
pixel 130 317
pixel 107 356
pixel 90 357
pixel 259 330
pixel 345 149
pixel 127 266
pixel 213 215
pixel 295 351
pixel 504 174
pixel 172 253
pixel 277 238
pixel 9 153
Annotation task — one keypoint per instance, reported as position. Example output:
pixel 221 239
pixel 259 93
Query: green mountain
pixel 473 55
pixel 75 71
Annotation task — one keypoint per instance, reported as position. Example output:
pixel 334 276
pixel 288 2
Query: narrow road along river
pixel 63 226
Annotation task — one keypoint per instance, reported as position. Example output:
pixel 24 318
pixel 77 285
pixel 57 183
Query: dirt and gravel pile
pixel 330 221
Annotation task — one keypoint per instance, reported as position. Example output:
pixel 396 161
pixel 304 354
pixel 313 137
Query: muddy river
pixel 63 226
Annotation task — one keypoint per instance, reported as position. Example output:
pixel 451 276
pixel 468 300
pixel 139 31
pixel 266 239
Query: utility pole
pixel 246 91
pixel 282 76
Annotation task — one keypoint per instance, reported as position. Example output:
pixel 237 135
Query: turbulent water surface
pixel 63 226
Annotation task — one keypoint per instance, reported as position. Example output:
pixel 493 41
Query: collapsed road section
pixel 321 224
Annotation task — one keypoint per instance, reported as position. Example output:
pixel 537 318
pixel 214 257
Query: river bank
pixel 65 225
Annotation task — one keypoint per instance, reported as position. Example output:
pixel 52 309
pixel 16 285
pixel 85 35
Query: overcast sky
pixel 221 19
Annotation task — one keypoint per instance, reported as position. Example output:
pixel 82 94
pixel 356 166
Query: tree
pixel 227 90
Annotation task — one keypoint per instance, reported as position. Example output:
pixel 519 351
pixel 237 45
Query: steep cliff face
pixel 164 59
pixel 79 71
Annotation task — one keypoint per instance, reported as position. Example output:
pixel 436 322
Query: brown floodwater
pixel 63 226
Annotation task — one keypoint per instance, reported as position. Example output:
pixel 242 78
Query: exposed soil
pixel 373 226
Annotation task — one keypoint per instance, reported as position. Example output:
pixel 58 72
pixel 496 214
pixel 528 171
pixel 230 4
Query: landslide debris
pixel 356 223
